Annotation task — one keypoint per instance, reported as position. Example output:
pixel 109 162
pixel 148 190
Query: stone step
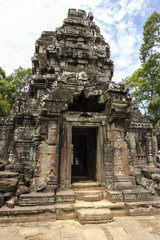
pixel 151 173
pixel 86 185
pixel 129 195
pixel 7 174
pixel 94 215
pixel 80 194
pixel 143 194
pixel 92 198
pixel 114 196
pixel 26 211
pixel 65 196
pixel 14 167
pixel 122 182
pixel 146 183
pixel 143 208
pixel 35 198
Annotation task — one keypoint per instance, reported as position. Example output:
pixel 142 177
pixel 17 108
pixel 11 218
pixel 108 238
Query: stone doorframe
pixel 76 119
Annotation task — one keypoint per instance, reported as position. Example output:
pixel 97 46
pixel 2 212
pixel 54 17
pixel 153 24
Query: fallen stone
pixel 10 203
pixel 41 184
pixel 22 190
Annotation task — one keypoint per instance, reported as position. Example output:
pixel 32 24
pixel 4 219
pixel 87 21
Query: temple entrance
pixel 84 141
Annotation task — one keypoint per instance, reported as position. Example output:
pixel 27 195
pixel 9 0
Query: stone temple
pixel 76 135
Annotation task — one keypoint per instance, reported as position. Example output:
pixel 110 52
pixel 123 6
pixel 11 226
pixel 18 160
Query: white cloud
pixel 135 7
pixel 103 15
pixel 114 48
pixel 120 14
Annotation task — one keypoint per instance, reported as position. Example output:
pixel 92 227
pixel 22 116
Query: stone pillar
pixel 66 156
pixel 150 151
pixel 100 164
pixel 108 161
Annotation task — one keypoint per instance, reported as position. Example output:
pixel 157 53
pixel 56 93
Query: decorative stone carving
pixel 118 164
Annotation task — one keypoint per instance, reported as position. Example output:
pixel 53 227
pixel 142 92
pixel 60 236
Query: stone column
pixel 150 151
pixel 66 155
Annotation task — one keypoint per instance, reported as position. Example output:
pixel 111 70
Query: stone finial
pixel 90 16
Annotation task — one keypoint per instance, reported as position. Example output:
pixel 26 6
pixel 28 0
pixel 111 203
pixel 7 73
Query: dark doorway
pixel 84 142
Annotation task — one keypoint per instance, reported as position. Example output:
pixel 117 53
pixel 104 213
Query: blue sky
pixel 121 23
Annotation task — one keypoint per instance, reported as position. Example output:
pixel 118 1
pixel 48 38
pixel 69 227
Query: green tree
pixel 21 78
pixel 144 84
pixel 11 86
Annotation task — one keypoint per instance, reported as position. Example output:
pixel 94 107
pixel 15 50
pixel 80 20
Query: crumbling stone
pixel 22 190
pixel 10 203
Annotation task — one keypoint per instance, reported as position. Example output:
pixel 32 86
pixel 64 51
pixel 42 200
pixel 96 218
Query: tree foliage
pixel 11 86
pixel 144 84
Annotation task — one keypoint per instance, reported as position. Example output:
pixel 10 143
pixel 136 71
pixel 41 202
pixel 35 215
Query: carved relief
pixel 118 164
pixel 118 134
pixel 118 144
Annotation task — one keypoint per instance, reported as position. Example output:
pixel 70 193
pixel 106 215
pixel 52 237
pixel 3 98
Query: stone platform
pixel 79 209
pixel 87 203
